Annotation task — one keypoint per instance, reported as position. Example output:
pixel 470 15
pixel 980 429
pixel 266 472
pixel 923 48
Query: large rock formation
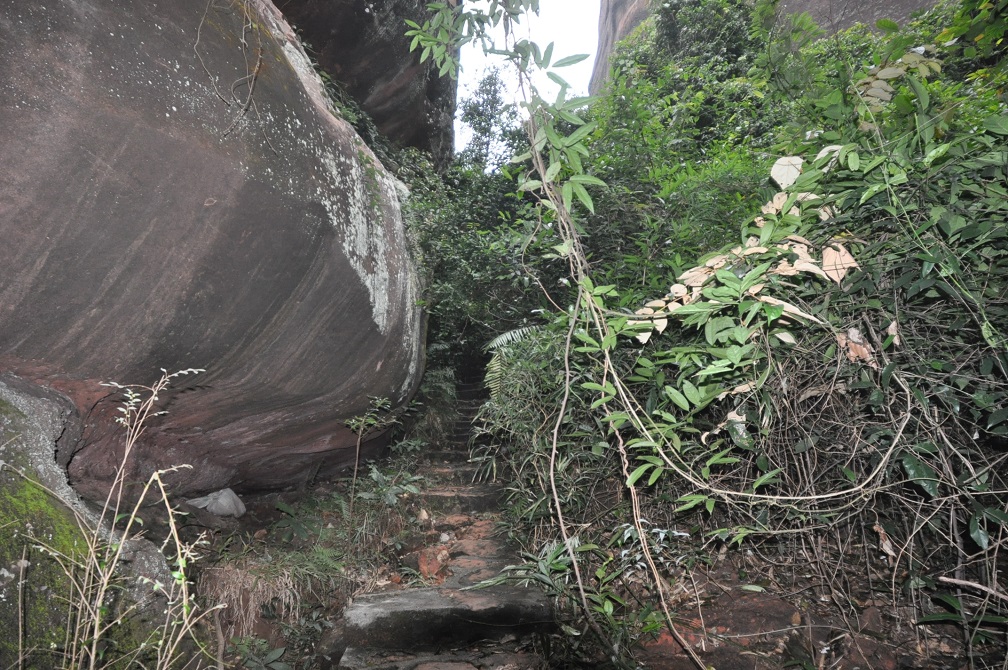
pixel 177 193
pixel 362 45
pixel 617 18
pixel 834 15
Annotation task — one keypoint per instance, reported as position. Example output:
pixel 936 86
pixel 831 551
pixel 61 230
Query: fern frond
pixel 511 336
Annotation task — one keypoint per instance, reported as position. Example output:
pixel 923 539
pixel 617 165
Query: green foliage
pixel 493 122
pixel 980 25
pixel 753 365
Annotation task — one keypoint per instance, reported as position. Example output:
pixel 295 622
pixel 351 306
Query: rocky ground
pixel 426 611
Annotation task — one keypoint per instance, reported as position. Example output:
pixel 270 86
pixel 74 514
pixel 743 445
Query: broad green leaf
pixel 587 179
pixel 978 532
pixel 690 501
pixel 921 474
pixel 691 392
pixel 638 473
pixel 871 192
pixel 997 417
pixel 583 196
pixel 768 478
pixel 997 124
pixel 570 60
pixel 678 398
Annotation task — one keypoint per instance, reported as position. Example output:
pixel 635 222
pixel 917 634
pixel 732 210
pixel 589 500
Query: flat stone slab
pixel 465 659
pixel 434 619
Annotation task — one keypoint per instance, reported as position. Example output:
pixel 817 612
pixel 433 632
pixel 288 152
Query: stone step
pixel 458 455
pixel 451 473
pixel 435 619
pixel 492 658
pixel 464 498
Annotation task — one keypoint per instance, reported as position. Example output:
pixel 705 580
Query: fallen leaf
pixel 857 349
pixel 784 269
pixel 786 337
pixel 678 291
pixel 836 261
pixel 786 170
pixel 893 330
pixel 695 277
pixel 789 308
pixel 779 200
pixel 799 239
pixel 833 149
pixel 755 288
pixel 717 261
pixel 735 416
pixel 656 304
pixel 804 265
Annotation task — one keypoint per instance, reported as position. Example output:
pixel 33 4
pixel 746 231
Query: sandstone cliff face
pixel 618 18
pixel 834 15
pixel 177 194
pixel 362 45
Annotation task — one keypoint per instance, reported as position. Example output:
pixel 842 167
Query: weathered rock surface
pixel 834 15
pixel 176 193
pixel 363 46
pixel 32 420
pixel 618 18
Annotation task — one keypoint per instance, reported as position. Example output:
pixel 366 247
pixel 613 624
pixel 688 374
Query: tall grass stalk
pixel 100 598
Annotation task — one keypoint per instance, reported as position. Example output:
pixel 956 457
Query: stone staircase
pixel 445 624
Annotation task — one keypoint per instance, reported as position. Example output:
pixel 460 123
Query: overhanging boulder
pixel 177 193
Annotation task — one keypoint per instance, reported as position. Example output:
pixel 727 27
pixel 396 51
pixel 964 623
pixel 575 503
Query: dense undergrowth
pixel 698 357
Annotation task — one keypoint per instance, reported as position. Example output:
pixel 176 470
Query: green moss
pixel 29 515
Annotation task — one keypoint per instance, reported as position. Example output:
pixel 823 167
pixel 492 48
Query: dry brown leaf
pixel 677 291
pixel 660 325
pixel 836 261
pixel 799 239
pixel 789 308
pixel 784 269
pixel 754 250
pixel 822 389
pixel 826 213
pixel 785 170
pixel 779 200
pixel 695 277
pixel 804 265
pixel 752 241
pixel 759 221
pixel 743 388
pixel 785 337
pixel 655 304
pixel 755 288
pixel 893 330
pixel 717 261
pixel 857 349
pixel 799 250
pixel 833 149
